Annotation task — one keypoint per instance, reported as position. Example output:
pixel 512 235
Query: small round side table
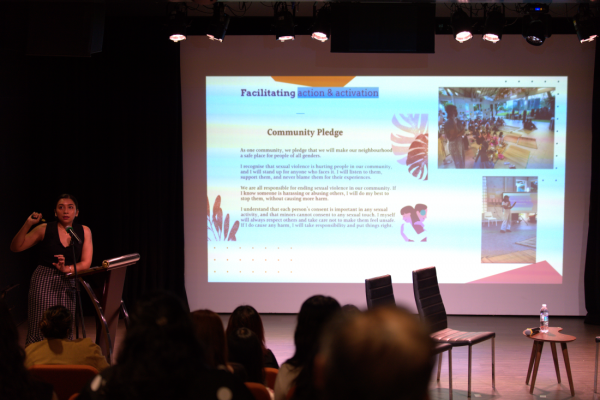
pixel 553 336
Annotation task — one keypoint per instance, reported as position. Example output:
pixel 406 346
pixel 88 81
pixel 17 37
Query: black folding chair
pixel 432 310
pixel 380 292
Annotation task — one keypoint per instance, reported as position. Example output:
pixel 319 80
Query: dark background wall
pixel 108 129
pixel 105 128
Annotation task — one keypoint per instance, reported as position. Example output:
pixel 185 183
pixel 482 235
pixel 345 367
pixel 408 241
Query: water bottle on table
pixel 544 319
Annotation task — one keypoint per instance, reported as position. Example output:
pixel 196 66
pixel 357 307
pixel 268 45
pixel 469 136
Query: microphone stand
pixel 78 305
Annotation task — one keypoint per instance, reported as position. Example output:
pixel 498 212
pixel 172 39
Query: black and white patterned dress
pixel 50 287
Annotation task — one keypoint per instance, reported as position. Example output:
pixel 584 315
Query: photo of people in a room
pixel 500 128
pixel 413 225
pixel 509 219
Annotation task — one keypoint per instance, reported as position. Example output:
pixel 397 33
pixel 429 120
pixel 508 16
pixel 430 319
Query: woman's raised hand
pixel 27 237
pixel 34 218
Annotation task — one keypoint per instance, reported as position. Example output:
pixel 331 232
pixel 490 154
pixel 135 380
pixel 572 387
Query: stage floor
pixel 512 356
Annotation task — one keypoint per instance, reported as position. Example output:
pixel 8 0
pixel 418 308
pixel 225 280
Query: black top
pixel 51 246
pixel 269 360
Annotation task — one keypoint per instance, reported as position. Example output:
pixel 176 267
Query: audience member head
pixel 56 322
pixel 247 317
pixel 210 332
pixel 161 355
pixel 383 353
pixel 409 215
pixel 14 379
pixel 350 309
pixel 314 314
pixel 245 348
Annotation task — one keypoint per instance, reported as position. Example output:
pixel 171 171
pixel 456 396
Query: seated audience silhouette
pixel 211 334
pixel 57 348
pixel 383 353
pixel 245 349
pixel 161 358
pixel 248 317
pixel 15 381
pixel 297 372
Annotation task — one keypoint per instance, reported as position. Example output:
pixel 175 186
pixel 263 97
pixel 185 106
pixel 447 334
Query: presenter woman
pixel 49 284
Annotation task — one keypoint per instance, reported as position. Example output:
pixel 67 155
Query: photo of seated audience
pixel 58 349
pixel 247 317
pixel 496 128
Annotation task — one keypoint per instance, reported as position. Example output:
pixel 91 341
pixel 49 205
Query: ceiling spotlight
pixel 321 29
pixel 586 24
pixel 494 24
pixel 177 24
pixel 536 24
pixel 461 25
pixel 219 23
pixel 284 22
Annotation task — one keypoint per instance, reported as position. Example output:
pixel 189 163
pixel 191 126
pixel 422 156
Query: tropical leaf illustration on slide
pixel 217 228
pixel 411 143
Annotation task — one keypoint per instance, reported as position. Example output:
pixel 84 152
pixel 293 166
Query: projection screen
pixel 321 170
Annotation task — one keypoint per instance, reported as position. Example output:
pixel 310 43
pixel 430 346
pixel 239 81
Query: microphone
pixel 531 331
pixel 71 232
pixel 38 219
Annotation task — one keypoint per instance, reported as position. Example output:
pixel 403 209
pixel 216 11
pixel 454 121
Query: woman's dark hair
pixel 56 322
pixel 314 314
pixel 67 196
pixel 247 317
pixel 506 198
pixel 245 348
pixel 210 332
pixel 410 210
pixel 383 353
pixel 161 356
pixel 15 382
pixel 350 309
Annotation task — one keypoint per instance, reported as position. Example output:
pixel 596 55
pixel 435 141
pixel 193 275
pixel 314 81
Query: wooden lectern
pixel 110 303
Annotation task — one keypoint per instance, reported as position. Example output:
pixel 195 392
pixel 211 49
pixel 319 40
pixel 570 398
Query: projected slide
pixel 329 179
